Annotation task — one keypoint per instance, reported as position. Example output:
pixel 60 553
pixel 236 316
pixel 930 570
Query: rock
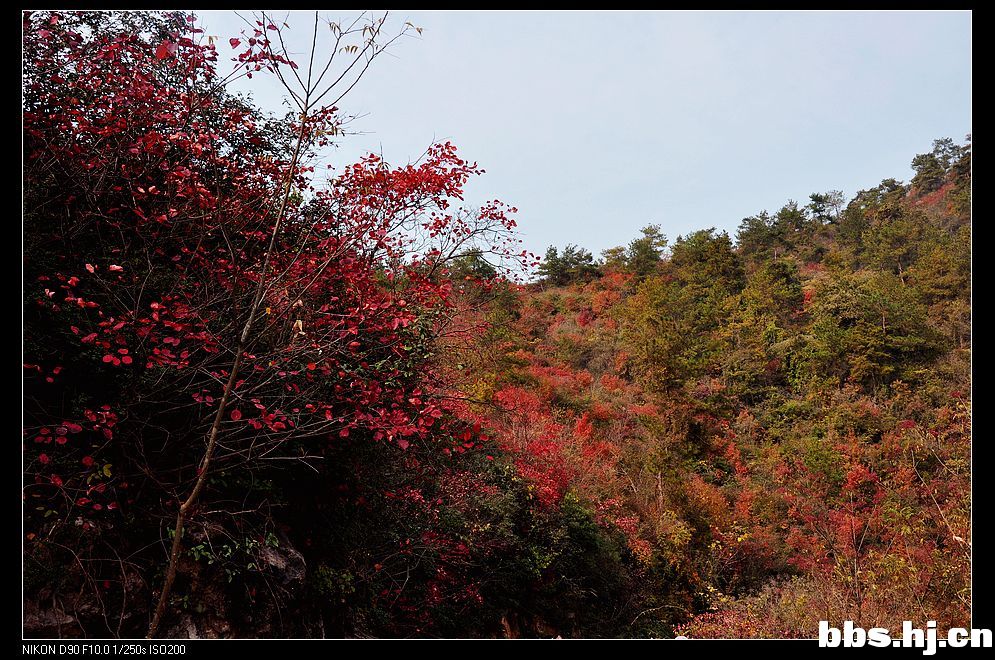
pixel 48 623
pixel 185 628
pixel 285 564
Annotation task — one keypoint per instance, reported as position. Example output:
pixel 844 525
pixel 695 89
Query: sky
pixel 595 124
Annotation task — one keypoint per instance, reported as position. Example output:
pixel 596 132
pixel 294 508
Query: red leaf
pixel 166 49
pixel 90 268
pixel 115 268
pixel 234 42
pixel 87 461
pixel 236 415
pixel 402 443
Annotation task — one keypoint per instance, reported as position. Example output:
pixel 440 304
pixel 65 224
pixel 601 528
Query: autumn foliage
pixel 368 427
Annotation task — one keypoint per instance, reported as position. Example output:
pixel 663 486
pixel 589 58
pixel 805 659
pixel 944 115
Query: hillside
pixel 779 426
pixel 262 403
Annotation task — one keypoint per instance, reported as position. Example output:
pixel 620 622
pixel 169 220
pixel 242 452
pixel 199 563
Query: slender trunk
pixel 212 437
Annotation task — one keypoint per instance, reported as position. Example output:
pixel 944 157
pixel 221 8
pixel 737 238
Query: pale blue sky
pixel 595 124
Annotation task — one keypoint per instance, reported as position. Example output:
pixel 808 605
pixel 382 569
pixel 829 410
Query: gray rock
pixel 285 564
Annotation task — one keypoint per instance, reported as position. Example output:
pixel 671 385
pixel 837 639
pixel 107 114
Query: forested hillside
pixel 776 422
pixel 257 404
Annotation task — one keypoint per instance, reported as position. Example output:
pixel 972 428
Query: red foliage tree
pixel 199 303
